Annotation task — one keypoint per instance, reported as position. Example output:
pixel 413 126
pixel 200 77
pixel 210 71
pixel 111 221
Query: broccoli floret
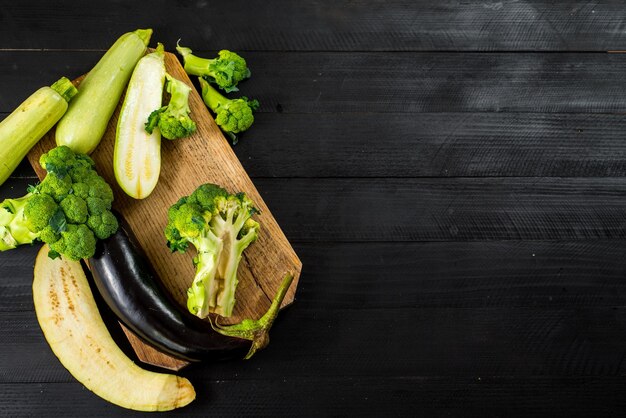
pixel 103 225
pixel 173 120
pixel 58 161
pixel 67 210
pixel 100 189
pixel 56 187
pixel 38 211
pixel 49 234
pixel 81 190
pixel 75 209
pixel 77 242
pixel 97 206
pixel 232 115
pixel 220 226
pixel 226 70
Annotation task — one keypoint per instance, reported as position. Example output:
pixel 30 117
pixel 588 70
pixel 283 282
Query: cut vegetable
pixel 86 119
pixel 137 155
pixel 173 120
pixel 72 325
pixel 220 226
pixel 23 128
pixel 130 286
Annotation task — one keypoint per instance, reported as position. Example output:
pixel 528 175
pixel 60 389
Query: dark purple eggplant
pixel 132 289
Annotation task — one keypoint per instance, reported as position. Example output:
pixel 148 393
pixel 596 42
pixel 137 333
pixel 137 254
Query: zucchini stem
pixel 144 35
pixel 65 88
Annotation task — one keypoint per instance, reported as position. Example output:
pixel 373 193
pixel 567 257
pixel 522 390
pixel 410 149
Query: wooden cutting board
pixel 204 157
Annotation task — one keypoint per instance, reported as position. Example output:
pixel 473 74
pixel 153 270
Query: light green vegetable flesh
pixel 23 128
pixel 137 154
pixel 86 120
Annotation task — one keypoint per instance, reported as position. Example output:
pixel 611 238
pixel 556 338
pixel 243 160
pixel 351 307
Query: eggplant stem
pixel 258 330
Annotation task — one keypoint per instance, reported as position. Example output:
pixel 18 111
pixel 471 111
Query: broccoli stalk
pixel 226 71
pixel 232 115
pixel 68 210
pixel 220 226
pixel 13 230
pixel 173 120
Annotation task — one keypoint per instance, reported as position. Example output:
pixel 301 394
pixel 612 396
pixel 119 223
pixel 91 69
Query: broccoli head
pixel 232 115
pixel 225 71
pixel 220 226
pixel 68 210
pixel 173 120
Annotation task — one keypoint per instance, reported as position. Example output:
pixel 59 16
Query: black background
pixel 451 174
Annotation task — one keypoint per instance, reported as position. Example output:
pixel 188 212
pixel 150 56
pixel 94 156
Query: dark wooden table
pixel 452 174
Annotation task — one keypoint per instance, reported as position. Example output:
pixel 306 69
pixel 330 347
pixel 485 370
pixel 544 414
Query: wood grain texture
pixel 476 396
pixel 430 145
pixel 442 209
pixel 315 25
pixel 448 209
pixel 438 82
pixel 362 343
pixel 204 157
pixel 473 274
pixel 452 172
pixel 387 83
pixel 435 145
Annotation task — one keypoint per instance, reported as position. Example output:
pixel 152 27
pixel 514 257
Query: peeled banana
pixel 72 325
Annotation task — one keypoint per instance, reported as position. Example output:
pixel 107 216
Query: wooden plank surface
pixel 477 144
pixel 521 274
pixel 432 145
pixel 449 209
pixel 388 83
pixel 452 175
pixel 482 396
pixel 204 157
pixel 443 209
pixel 315 25
pixel 352 343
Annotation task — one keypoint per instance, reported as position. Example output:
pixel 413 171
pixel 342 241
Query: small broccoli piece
pixel 220 226
pixel 75 209
pixel 57 187
pixel 67 210
pixel 173 120
pixel 49 235
pixel 100 189
pixel 226 70
pixel 77 242
pixel 58 161
pixel 81 190
pixel 103 225
pixel 38 211
pixel 232 115
pixel 97 206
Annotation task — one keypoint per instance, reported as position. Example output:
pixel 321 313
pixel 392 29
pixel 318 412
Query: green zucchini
pixel 137 154
pixel 87 118
pixel 23 128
